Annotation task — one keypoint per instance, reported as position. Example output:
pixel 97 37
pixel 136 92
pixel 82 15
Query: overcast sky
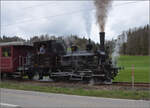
pixel 26 19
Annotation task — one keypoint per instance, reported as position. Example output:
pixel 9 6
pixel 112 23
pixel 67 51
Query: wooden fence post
pixel 132 76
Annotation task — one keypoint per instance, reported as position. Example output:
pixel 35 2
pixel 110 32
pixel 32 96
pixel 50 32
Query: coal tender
pixel 90 66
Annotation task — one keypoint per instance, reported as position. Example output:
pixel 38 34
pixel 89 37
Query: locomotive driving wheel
pixel 34 74
pixel 30 74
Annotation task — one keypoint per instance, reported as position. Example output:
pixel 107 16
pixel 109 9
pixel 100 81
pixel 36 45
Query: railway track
pixel 126 84
pixel 138 84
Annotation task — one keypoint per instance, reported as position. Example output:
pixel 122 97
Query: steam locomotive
pixel 88 65
pixel 94 66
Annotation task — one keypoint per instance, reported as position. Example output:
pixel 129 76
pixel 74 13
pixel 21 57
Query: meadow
pixel 139 64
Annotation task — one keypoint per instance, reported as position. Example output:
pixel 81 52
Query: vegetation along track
pixel 137 84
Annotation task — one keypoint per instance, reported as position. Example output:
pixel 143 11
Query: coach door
pixel 5 59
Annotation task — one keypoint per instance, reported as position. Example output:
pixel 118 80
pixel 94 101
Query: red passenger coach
pixel 13 56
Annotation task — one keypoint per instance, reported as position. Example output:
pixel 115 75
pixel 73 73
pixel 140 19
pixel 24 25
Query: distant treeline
pixel 136 41
pixel 69 40
pixel 133 42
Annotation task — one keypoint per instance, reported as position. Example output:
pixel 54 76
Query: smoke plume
pixel 102 7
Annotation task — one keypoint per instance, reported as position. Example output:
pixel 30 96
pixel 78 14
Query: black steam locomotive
pixel 91 66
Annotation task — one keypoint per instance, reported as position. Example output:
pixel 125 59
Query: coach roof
pixel 15 43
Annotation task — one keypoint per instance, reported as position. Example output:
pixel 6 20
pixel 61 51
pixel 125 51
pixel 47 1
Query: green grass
pixel 141 68
pixel 125 94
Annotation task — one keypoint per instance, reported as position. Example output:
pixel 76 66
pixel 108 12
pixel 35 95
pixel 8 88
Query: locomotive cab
pixel 44 63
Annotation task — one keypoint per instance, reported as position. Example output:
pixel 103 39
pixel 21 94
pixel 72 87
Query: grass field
pixel 141 68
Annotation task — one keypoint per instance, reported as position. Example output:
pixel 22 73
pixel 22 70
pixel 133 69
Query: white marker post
pixel 132 76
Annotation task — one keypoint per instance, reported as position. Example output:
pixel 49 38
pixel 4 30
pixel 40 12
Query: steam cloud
pixel 87 18
pixel 102 7
pixel 88 23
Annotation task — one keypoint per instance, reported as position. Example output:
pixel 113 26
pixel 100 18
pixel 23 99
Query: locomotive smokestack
pixel 102 40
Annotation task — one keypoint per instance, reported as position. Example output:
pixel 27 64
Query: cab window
pixel 6 52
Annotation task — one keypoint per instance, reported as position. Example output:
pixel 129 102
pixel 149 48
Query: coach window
pixel 6 51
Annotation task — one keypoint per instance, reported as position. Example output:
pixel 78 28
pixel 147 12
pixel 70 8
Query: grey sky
pixel 29 18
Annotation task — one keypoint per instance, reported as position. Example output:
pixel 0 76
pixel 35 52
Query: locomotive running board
pixel 97 75
pixel 76 79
